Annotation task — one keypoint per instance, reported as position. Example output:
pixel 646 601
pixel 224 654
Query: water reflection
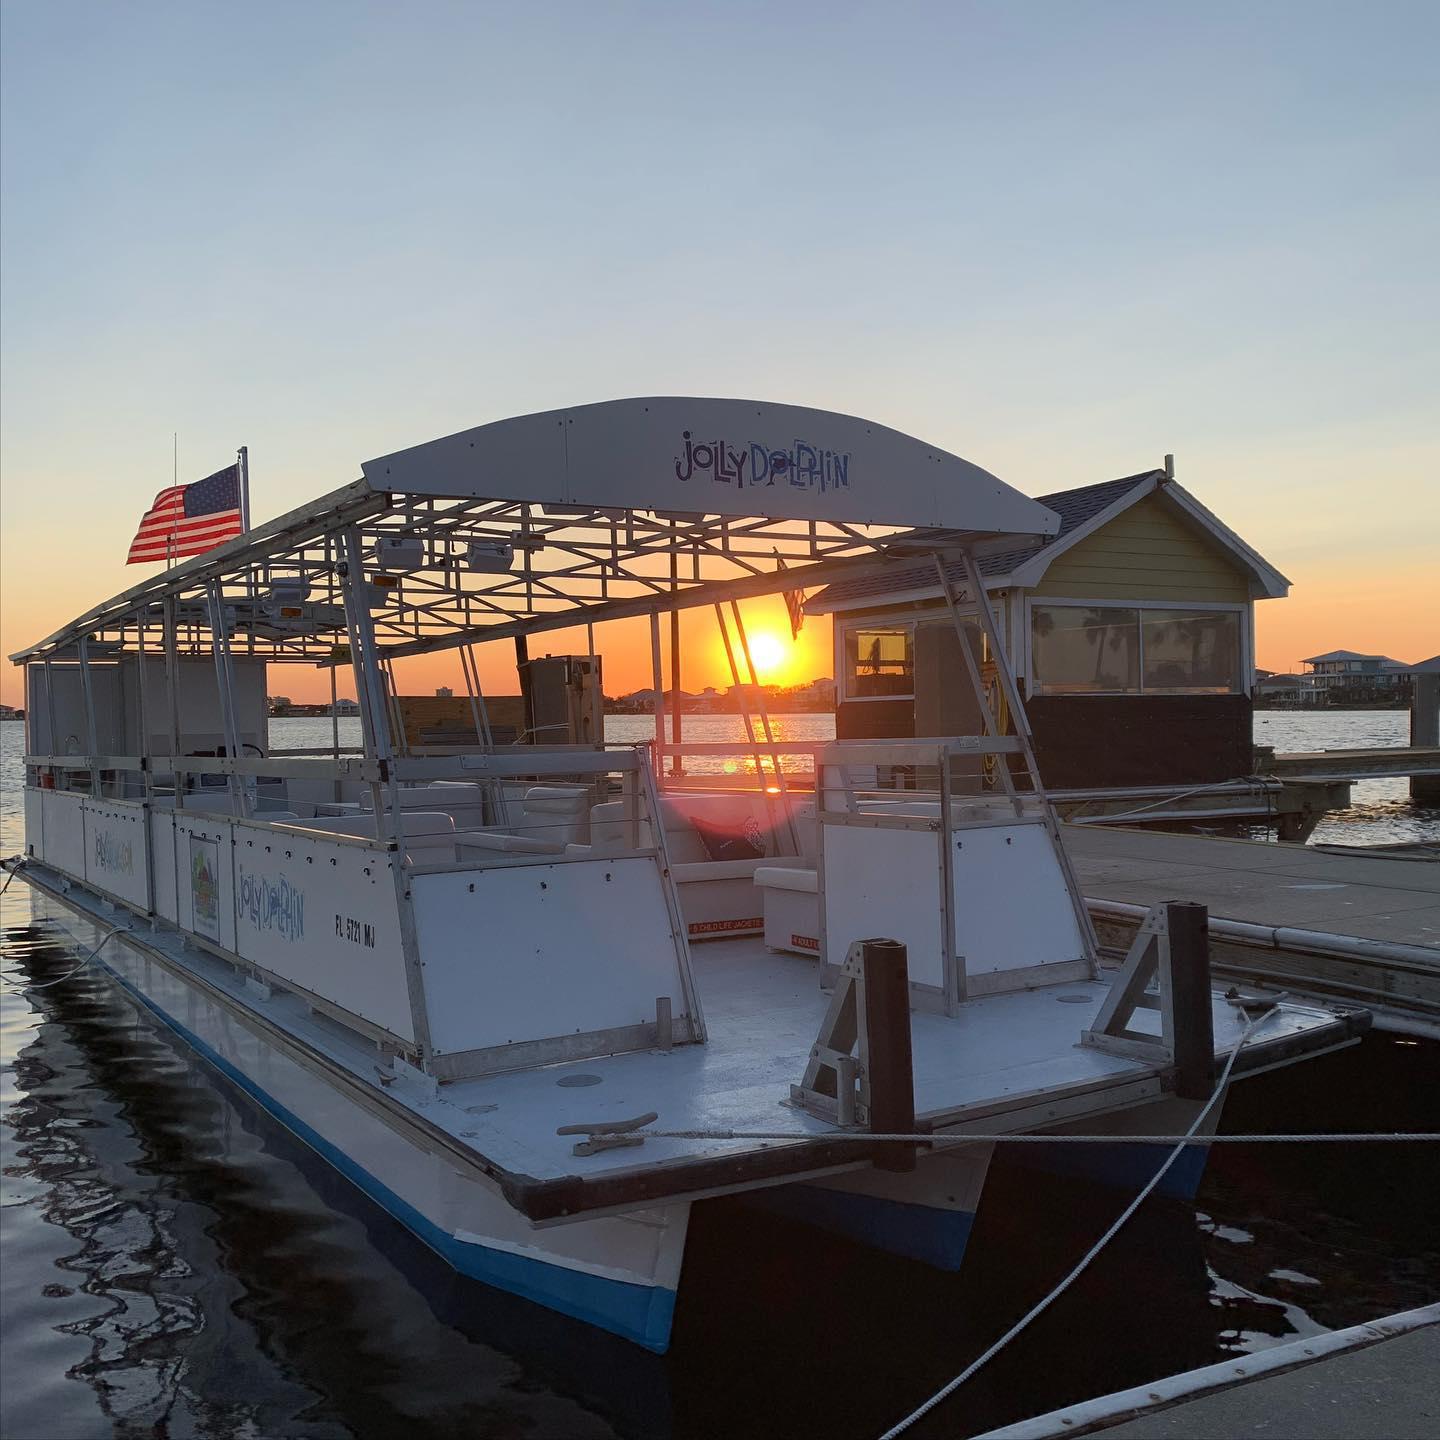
pixel 170 1256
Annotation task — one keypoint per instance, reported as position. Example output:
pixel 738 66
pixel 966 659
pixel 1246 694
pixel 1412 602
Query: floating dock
pixel 1357 927
pixel 1379 1381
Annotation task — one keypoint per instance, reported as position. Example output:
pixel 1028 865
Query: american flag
pixel 189 519
pixel 794 602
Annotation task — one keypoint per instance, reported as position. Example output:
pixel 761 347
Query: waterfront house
pixel 1132 632
pixel 1285 691
pixel 1356 676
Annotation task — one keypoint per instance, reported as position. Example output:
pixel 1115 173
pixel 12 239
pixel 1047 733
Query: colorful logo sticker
pixel 205 886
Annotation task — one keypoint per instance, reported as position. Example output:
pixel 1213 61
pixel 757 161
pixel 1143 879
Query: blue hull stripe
pixel 918 1232
pixel 1129 1167
pixel 642 1313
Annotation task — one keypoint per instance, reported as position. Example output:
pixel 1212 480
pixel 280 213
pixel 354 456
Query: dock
pixel 1292 792
pixel 1379 1381
pixel 1373 763
pixel 1340 927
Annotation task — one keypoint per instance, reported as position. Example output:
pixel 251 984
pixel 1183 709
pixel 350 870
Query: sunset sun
pixel 769 653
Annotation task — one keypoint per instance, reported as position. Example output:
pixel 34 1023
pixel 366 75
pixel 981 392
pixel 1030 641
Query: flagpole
pixel 244 487
pixel 174 481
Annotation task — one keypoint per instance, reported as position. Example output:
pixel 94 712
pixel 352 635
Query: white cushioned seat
pixel 556 812
pixel 786 877
pixel 696 870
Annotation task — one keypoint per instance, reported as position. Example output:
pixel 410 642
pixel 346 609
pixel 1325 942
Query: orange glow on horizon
pixel 1386 610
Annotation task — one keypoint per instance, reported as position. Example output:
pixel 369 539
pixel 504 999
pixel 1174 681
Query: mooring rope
pixel 1232 787
pixel 19 983
pixel 1035 1311
pixel 13 864
pixel 1346 1137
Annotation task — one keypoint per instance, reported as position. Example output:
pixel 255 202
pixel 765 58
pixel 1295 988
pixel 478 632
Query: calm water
pixel 174 1265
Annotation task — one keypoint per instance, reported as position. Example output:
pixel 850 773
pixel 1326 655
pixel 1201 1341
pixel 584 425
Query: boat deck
pixel 1295 886
pixel 1002 1053
pixel 1008 1062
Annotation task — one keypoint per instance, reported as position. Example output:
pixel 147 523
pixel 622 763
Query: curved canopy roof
pixel 578 516
pixel 725 457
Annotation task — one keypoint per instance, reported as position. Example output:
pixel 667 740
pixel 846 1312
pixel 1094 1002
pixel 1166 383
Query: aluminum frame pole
pixel 677 764
pixel 91 740
pixel 659 680
pixel 765 725
pixel 171 641
pixel 50 712
pixel 244 462
pixel 365 661
pixel 220 648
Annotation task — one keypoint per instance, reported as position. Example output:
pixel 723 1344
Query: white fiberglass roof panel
pixel 716 457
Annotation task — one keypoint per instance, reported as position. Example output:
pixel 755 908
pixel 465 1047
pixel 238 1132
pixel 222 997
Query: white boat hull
pixel 619 1272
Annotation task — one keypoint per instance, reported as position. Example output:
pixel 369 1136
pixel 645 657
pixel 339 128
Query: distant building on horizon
pixel 1286 691
pixel 1354 674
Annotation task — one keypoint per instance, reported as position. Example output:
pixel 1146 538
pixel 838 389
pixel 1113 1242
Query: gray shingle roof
pixel 1347 655
pixel 1074 507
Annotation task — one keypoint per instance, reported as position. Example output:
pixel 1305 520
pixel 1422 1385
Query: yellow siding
pixel 1146 553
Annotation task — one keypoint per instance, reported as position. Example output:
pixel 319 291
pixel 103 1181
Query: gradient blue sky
pixel 1059 239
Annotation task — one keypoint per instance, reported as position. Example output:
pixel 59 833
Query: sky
pixel 1058 239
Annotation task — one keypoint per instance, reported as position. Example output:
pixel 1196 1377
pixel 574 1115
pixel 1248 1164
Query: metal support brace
pixel 869 1014
pixel 1170 949
pixel 748 720
pixel 836 1085
pixel 765 726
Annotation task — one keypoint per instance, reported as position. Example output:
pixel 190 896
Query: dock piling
pixel 1425 730
pixel 887 1021
pixel 1188 926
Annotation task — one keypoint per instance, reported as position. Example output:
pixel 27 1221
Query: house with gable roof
pixel 1131 633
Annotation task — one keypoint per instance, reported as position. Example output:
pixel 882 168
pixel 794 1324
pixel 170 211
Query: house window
pixel 1190 652
pixel 1082 649
pixel 880 661
pixel 1128 650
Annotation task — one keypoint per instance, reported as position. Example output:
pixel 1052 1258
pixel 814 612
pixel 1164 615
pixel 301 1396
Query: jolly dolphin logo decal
pixel 113 854
pixel 271 904
pixel 803 466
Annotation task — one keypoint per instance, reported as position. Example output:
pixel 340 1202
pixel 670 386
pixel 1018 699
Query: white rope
pixel 1232 787
pixel 1344 1137
pixel 948 1390
pixel 15 980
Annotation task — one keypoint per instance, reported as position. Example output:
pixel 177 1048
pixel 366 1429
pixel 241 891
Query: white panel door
pixel 1011 905
pixel 528 952
pixel 64 831
pixel 323 914
pixel 885 884
pixel 115 850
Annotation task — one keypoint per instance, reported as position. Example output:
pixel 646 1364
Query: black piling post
pixel 1188 925
pixel 892 1071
